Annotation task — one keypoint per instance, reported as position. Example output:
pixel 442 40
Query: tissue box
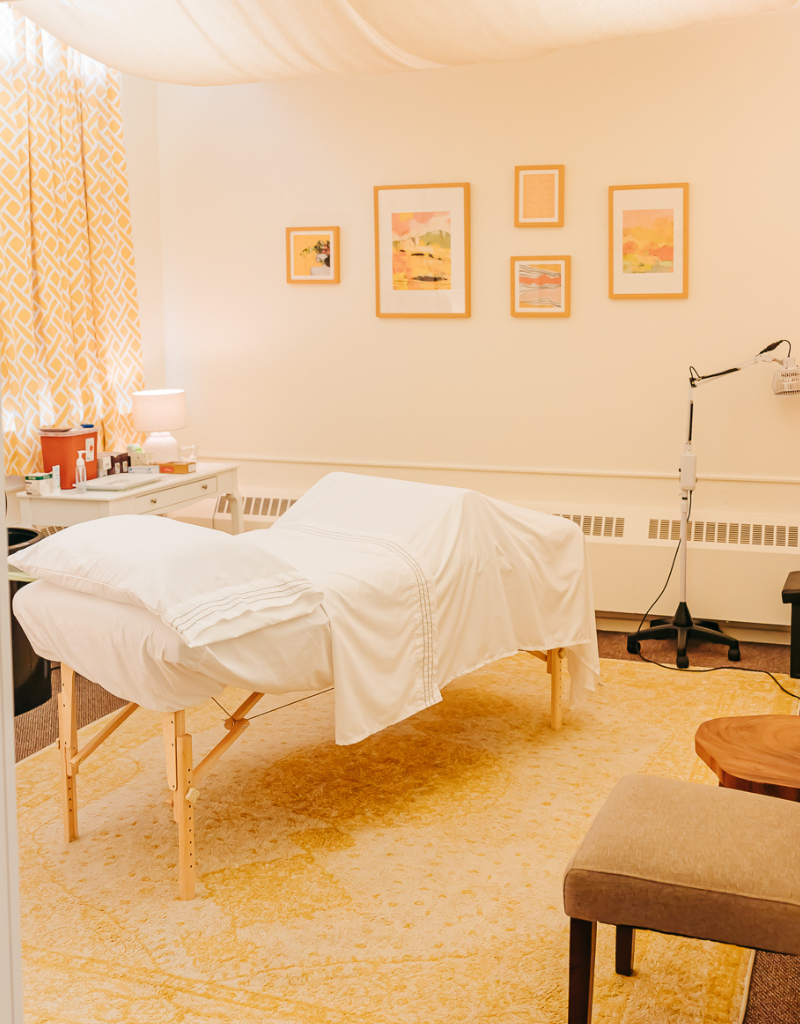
pixel 39 483
pixel 178 466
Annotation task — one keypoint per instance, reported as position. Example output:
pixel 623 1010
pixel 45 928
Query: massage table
pixel 483 580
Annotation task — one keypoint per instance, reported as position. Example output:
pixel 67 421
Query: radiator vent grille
pixel 597 526
pixel 269 508
pixel 768 535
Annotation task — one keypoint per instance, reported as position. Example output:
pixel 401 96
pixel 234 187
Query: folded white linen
pixel 206 586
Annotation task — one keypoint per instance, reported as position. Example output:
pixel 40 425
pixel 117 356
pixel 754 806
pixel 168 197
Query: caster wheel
pixel 734 654
pixel 682 661
pixel 633 646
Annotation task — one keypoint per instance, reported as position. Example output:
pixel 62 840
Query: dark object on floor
pixel 39 728
pixel 683 628
pixel 651 860
pixel 31 673
pixel 763 657
pixel 791 595
pixel 755 753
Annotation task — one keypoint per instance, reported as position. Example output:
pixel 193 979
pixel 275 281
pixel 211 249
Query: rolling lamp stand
pixel 682 627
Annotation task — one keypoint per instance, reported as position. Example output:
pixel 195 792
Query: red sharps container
pixel 60 448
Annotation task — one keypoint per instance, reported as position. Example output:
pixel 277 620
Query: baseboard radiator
pixel 737 563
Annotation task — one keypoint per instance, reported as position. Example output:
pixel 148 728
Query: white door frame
pixel 10 941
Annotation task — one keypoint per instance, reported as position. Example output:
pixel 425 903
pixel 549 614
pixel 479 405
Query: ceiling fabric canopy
pixel 219 42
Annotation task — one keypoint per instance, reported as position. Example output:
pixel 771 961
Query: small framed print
pixel 312 255
pixel 648 231
pixel 539 196
pixel 422 250
pixel 540 285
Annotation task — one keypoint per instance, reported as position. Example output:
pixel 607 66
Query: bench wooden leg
pixel 178 752
pixel 68 746
pixel 554 668
pixel 626 941
pixel 582 943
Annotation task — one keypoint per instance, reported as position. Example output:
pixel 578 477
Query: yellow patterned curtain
pixel 70 350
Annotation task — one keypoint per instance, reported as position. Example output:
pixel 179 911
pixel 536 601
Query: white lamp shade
pixel 163 409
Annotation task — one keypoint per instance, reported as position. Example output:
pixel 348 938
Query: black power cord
pixel 717 668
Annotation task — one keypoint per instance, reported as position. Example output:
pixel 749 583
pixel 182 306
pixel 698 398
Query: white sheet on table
pixel 422 584
pixel 132 654
pixel 501 578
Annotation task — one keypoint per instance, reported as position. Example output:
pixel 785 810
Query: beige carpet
pixel 412 879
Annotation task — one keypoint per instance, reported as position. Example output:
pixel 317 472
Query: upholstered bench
pixel 685 859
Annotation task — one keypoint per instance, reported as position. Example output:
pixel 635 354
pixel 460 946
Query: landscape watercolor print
pixel 539 287
pixel 648 241
pixel 421 251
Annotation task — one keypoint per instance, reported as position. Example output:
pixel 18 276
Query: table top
pixel 204 471
pixel 759 753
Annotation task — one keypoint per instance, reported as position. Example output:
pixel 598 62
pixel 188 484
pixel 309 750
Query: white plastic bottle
pixel 80 473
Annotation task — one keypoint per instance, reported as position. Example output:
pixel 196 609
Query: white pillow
pixel 205 585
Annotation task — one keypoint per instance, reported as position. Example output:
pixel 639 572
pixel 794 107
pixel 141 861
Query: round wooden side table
pixel 757 753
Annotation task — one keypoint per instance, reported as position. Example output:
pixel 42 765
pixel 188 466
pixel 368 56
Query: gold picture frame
pixel 312 255
pixel 541 286
pixel 422 258
pixel 648 241
pixel 539 196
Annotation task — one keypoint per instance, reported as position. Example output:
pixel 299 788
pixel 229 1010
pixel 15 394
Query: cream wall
pixel 296 378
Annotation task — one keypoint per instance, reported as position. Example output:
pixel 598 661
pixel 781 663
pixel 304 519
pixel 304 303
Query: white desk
pixel 165 495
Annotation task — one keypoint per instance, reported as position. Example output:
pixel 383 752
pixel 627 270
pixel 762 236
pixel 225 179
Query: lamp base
pixel 682 628
pixel 160 446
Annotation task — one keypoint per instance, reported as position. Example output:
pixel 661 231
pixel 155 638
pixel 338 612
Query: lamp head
pixel 787 380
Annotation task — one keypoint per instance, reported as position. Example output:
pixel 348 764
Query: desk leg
pixel 794 646
pixel 237 518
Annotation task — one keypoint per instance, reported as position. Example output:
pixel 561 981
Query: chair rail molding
pixel 454 467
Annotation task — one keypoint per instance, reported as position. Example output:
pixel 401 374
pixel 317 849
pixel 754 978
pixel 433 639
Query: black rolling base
pixel 682 628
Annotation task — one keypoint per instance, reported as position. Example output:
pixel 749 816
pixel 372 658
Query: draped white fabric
pixel 216 42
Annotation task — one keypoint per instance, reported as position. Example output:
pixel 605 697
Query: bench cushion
pixel 695 860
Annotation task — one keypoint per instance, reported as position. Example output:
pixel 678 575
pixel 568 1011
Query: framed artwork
pixel 539 196
pixel 540 285
pixel 422 250
pixel 312 255
pixel 648 230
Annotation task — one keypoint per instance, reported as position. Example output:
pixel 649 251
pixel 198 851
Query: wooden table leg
pixel 68 746
pixel 178 751
pixel 554 668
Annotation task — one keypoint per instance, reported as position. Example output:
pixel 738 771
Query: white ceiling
pixel 216 42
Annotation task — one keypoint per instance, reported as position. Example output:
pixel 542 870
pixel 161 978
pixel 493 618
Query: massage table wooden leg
pixel 554 668
pixel 178 752
pixel 68 746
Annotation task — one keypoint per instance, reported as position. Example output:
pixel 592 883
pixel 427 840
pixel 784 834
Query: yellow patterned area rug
pixel 414 878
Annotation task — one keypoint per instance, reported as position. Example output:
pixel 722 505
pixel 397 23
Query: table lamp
pixel 157 413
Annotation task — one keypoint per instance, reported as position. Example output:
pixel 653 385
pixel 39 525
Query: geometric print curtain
pixel 70 349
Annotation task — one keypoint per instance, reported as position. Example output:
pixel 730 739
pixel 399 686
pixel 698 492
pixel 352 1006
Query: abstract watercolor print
pixel 648 241
pixel 540 286
pixel 421 251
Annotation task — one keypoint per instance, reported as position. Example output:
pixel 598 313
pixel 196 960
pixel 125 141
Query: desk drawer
pixel 180 493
